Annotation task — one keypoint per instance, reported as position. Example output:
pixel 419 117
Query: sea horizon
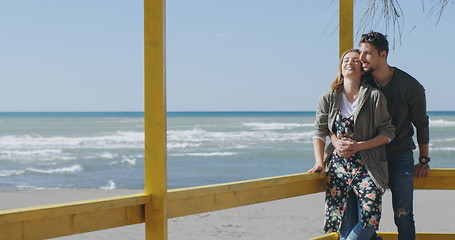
pixel 171 113
pixel 105 150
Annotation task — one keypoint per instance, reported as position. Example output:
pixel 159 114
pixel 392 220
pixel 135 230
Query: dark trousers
pixel 401 184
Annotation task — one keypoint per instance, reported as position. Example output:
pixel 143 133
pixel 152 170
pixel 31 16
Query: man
pixel 406 104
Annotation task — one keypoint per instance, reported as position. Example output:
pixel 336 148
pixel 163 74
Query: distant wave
pixel 199 135
pixel 43 148
pixel 171 146
pixel 72 169
pixel 441 123
pixel 35 155
pixel 7 173
pixel 110 140
pixel 125 160
pixel 119 120
pixel 103 155
pixel 275 126
pixel 31 152
pixel 443 149
pixel 204 154
pixel 25 186
pixel 442 140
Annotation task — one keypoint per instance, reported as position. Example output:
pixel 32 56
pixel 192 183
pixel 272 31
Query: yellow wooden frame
pixel 155 118
pixel 157 204
pixel 84 216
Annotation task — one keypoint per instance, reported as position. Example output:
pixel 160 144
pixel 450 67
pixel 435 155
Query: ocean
pixel 105 150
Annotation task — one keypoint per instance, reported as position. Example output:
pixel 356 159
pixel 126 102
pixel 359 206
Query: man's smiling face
pixel 370 57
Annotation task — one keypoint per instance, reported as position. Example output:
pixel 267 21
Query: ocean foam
pixel 72 169
pixel 35 155
pixel 198 136
pixel 187 135
pixel 443 149
pixel 7 173
pixel 110 185
pixel 31 152
pixel 204 154
pixel 171 146
pixel 441 123
pixel 275 126
pixel 113 140
pixel 107 155
pixel 442 140
pixel 25 187
pixel 128 160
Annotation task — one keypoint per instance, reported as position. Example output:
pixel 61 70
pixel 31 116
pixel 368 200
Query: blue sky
pixel 221 55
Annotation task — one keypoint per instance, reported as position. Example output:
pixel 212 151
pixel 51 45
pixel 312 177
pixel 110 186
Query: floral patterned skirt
pixel 350 175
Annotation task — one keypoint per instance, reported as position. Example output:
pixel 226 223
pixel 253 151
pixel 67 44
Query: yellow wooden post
pixel 346 25
pixel 155 119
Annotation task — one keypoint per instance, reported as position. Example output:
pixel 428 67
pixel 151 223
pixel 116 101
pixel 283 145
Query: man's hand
pixel 345 147
pixel 421 170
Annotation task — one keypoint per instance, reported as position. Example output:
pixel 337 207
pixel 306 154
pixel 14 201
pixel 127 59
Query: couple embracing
pixel 369 114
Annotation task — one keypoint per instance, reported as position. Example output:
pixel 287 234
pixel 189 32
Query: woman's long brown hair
pixel 337 85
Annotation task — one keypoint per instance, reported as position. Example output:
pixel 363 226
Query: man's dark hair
pixel 378 40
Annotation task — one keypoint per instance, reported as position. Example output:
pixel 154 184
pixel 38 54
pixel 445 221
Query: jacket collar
pixel 338 99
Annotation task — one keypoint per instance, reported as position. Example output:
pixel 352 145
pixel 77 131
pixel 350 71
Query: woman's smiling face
pixel 351 65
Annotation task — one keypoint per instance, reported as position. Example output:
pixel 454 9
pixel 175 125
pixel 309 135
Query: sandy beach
pixel 293 218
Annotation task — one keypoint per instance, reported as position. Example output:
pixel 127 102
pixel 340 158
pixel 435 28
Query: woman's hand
pixel 345 147
pixel 318 167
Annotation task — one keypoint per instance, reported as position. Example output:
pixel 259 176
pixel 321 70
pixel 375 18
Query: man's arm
pixel 422 170
pixel 345 146
pixel 419 117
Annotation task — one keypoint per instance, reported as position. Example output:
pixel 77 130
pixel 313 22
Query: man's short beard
pixel 369 71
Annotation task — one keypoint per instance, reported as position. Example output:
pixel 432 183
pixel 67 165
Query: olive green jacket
pixel 371 119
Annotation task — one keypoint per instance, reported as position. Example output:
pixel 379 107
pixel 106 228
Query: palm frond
pixel 388 14
pixel 438 8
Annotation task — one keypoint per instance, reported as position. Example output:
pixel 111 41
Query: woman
pixel 353 111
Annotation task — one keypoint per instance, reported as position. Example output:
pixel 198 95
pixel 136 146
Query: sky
pixel 254 55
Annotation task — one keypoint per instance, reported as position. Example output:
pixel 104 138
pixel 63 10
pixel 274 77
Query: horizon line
pixel 190 111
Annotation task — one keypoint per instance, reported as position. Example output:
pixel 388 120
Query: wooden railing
pixel 84 216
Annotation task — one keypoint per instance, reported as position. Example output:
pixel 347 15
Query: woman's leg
pixel 369 209
pixel 351 227
pixel 358 232
pixel 351 215
pixel 361 233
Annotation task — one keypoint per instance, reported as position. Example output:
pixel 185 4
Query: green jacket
pixel 371 119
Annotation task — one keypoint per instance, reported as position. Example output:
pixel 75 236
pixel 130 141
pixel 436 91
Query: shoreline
pixel 293 218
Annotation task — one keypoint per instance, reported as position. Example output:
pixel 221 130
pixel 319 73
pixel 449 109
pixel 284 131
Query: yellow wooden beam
pixel 331 236
pixel 346 26
pixel 182 202
pixel 186 201
pixel 155 118
pixel 71 218
pixel 84 216
pixel 393 236
pixel 420 236
pixel 439 178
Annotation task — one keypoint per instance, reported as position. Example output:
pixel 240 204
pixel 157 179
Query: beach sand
pixel 292 218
